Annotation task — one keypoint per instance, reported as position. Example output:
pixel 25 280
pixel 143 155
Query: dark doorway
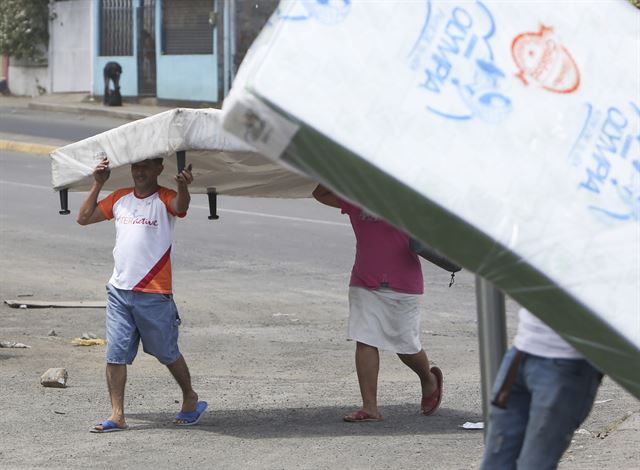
pixel 250 17
pixel 244 19
pixel 146 15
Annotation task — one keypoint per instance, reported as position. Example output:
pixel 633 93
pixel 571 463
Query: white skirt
pixel 385 319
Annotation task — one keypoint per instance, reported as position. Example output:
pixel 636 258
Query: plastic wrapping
pixel 504 134
pixel 220 160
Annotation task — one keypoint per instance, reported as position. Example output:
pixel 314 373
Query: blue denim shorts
pixel 132 316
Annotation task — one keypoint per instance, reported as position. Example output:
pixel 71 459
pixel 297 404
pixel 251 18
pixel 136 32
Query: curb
pixel 95 111
pixel 26 147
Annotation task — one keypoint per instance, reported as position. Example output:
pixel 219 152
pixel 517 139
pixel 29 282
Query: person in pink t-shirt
pixel 384 294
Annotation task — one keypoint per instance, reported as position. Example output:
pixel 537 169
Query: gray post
pixel 492 336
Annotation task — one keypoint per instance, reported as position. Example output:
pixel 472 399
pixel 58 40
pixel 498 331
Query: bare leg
pixel 180 372
pixel 116 379
pixel 420 365
pixel 105 97
pixel 367 366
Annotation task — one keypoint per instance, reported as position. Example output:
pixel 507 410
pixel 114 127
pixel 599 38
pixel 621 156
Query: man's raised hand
pixel 185 176
pixel 102 172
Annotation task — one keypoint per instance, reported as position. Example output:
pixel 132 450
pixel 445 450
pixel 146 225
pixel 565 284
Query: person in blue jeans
pixel 543 392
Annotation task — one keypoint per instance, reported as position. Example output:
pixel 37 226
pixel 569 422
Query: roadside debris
pixel 12 344
pixel 470 425
pixel 55 377
pixel 630 421
pixel 52 333
pixel 55 303
pixel 86 341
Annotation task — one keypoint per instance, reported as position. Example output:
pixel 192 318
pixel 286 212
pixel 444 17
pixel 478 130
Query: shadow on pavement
pixel 9 356
pixel 297 422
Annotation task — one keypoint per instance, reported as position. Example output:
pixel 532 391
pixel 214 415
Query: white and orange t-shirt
pixel 144 234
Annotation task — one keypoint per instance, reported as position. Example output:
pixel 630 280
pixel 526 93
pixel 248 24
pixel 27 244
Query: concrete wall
pixel 70 36
pixel 27 80
pixel 3 66
pixel 188 77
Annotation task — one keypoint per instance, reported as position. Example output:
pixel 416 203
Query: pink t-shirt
pixel 383 257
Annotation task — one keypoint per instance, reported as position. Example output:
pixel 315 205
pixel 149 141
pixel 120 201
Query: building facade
pixel 175 51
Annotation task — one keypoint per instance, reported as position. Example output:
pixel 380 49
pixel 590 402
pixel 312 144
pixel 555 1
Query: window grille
pixel 116 28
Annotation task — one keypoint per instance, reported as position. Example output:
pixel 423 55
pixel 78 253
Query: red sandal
pixel 430 404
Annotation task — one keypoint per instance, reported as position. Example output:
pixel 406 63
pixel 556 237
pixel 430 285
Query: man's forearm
pixel 90 204
pixel 183 199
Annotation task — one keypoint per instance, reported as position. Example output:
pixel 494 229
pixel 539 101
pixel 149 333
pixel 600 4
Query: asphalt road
pixel 58 126
pixel 262 294
pixel 276 230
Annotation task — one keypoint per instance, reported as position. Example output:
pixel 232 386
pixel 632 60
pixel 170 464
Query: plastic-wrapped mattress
pixel 220 160
pixel 504 134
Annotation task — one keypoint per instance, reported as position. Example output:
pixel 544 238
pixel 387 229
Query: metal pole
pixel 230 31
pixel 64 202
pixel 213 204
pixel 181 157
pixel 92 50
pixel 492 336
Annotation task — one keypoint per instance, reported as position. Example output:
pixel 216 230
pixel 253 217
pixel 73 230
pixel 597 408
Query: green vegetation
pixel 24 28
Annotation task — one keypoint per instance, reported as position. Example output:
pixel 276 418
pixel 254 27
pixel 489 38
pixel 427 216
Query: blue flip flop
pixel 108 426
pixel 191 417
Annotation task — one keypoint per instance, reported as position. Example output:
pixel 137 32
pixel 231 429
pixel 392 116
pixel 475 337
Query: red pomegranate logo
pixel 541 59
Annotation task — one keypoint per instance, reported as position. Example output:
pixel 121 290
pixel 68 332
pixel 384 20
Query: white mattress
pixel 220 160
pixel 515 125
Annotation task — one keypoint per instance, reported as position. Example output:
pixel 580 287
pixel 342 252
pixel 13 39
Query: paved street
pixel 262 293
pixel 51 125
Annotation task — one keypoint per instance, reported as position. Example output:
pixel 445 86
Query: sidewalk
pixel 83 104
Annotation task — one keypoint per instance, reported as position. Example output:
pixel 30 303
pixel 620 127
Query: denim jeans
pixel 549 400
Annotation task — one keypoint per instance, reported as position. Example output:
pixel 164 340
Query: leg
pixel 367 357
pixel 367 366
pixel 180 372
pixel 563 391
pixel 419 363
pixel 158 321
pixel 122 346
pixel 507 426
pixel 116 380
pixel 105 95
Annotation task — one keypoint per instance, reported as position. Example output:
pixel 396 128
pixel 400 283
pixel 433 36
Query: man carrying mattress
pixel 140 304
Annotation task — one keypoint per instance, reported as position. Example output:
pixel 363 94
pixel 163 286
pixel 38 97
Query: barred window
pixel 186 27
pixel 116 27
